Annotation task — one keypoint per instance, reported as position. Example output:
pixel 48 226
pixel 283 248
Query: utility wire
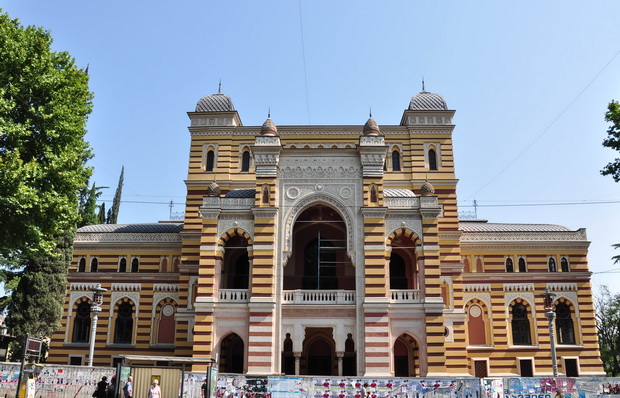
pixel 546 129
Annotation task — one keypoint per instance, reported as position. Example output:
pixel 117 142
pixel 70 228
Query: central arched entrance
pixel 319 353
pixel 319 258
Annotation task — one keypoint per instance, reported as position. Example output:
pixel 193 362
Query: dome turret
pixel 269 128
pixel 213 189
pixel 217 102
pixel 427 189
pixel 425 101
pixel 371 128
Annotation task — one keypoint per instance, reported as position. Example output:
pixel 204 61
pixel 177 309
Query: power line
pixel 546 129
pixel 303 52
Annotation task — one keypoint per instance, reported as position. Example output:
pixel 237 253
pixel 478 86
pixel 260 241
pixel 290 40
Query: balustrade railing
pixel 405 296
pixel 234 295
pixel 327 297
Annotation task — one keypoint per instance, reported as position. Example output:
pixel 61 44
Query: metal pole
pixel 21 368
pixel 93 332
pixel 554 361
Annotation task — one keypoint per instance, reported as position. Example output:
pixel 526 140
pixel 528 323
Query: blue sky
pixel 530 82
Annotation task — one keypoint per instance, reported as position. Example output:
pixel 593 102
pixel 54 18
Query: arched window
pixel 520 325
pixel 522 265
pixel 123 330
pixel 509 266
pixel 395 161
pixel 564 324
pixel 135 264
pixel 166 326
pixel 94 264
pixel 265 194
pixel 122 265
pixel 81 323
pixel 476 328
pixel 479 265
pixel 432 159
pixel 320 268
pixel 82 265
pixel 245 161
pixel 564 264
pixel 164 264
pixel 398 272
pixel 552 267
pixel 466 265
pixel 210 160
pixel 373 194
pixel 236 265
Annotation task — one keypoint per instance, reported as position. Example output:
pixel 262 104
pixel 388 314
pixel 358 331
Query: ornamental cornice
pixel 126 287
pixel 95 237
pixel 312 167
pixel 566 236
pixel 449 235
pixel 265 212
pixel 373 212
pixel 165 287
pixel 132 247
pixel 530 246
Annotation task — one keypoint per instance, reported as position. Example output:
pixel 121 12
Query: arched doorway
pixel 405 354
pixel 319 353
pixel 232 352
pixel 319 259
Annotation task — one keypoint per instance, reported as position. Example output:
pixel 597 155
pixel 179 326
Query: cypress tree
pixel 116 203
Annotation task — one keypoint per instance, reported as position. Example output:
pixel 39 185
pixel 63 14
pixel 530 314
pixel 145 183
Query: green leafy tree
pixel 116 203
pixel 613 139
pixel 44 105
pixel 608 327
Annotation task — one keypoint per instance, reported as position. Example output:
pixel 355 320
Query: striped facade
pixel 331 250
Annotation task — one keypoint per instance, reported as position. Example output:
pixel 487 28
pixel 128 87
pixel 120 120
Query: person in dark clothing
pixel 111 388
pixel 102 388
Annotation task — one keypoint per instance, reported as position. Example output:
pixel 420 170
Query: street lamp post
pixel 96 309
pixel 550 314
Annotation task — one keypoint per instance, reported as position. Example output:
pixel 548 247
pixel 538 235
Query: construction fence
pixel 64 381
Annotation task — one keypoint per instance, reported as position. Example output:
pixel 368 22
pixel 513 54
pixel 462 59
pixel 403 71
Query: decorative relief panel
pixel 528 297
pixel 484 297
pixel 394 222
pixel 230 221
pixel 157 297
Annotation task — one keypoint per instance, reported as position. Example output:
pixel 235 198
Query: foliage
pixel 44 105
pixel 116 203
pixel 608 327
pixel 102 217
pixel 88 206
pixel 613 139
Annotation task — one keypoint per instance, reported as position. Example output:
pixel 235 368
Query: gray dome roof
pixel 215 103
pixel 398 193
pixel 133 228
pixel 424 101
pixel 241 193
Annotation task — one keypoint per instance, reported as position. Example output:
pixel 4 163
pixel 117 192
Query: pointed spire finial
pixel 370 111
pixel 423 89
pixel 269 113
pixel 219 87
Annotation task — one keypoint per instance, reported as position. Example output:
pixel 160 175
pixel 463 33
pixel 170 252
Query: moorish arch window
pixel 432 159
pixel 135 264
pixel 479 264
pixel 94 264
pixel 81 322
pixel 122 264
pixel 552 266
pixel 564 323
pixel 210 160
pixel 466 265
pixel 82 265
pixel 245 160
pixel 319 259
pixel 406 357
pixel 509 265
pixel 395 160
pixel 478 328
pixel 564 264
pixel 403 261
pixel 123 327
pixel 164 322
pixel 522 265
pixel 236 263
pixel 288 357
pixel 520 324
